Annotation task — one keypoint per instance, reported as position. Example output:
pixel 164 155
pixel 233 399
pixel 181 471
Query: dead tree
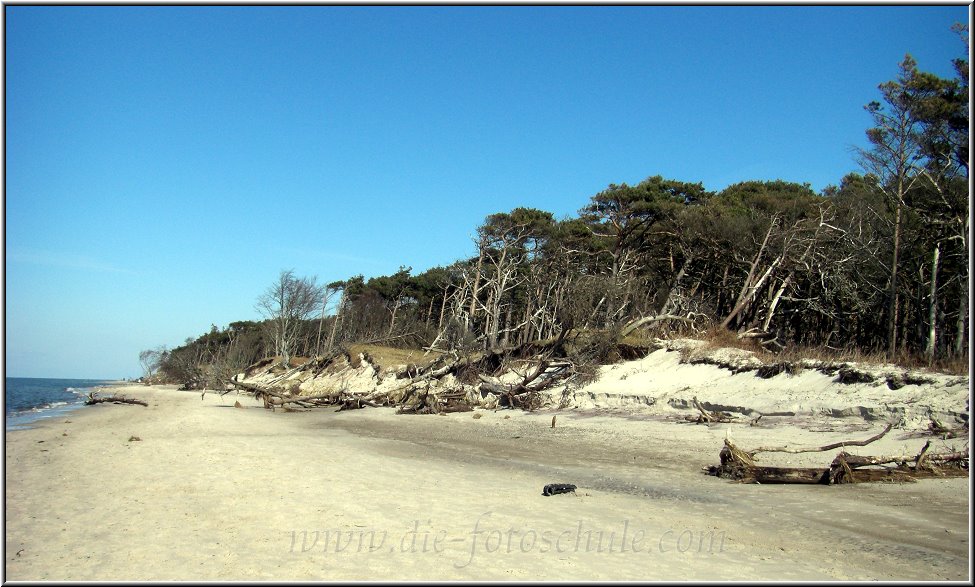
pixel 741 465
pixel 113 399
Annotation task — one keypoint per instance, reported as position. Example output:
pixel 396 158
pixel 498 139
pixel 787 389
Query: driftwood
pixel 825 448
pixel 939 429
pixel 519 388
pixel 273 398
pixel 415 397
pixel 708 417
pixel 355 403
pixel 525 393
pixel 427 402
pixel 113 399
pixel 845 468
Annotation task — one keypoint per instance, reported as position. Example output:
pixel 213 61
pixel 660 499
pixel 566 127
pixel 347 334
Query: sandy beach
pixel 215 492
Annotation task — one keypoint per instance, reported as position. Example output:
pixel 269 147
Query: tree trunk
pixel 747 295
pixel 443 309
pixel 614 290
pixel 962 321
pixel 747 284
pixel 775 302
pixel 665 308
pixel 335 322
pixel 392 319
pixel 321 323
pixel 933 306
pixel 477 280
pixel 507 327
pixel 490 326
pixel 429 314
pixel 892 303
pixel 962 318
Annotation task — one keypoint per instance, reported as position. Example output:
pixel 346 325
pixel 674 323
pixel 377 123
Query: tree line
pixel 878 262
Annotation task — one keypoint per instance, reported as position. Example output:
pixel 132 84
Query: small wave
pixel 47 406
pixel 21 419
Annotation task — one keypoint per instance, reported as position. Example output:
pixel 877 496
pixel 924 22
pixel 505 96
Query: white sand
pixel 217 493
pixel 661 380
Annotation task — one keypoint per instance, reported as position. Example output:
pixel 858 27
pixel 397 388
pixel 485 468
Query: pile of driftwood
pixel 417 401
pixel 418 395
pixel 113 399
pixel 845 468
pixel 708 416
pixel 274 398
pixel 525 393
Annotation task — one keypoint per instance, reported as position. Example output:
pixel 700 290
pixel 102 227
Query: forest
pixel 876 264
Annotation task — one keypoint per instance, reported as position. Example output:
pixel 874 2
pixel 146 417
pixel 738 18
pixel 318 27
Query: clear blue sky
pixel 163 164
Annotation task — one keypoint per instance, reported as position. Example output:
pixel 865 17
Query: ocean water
pixel 28 399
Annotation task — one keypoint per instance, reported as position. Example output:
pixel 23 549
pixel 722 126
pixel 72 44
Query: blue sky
pixel 164 163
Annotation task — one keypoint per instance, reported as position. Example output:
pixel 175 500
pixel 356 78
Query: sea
pixel 28 399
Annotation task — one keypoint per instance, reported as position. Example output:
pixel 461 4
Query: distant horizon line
pixel 72 378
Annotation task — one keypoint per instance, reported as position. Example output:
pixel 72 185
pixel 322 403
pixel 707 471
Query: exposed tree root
pixel 415 395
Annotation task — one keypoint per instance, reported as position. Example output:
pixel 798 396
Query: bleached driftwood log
pixel 845 468
pixel 113 399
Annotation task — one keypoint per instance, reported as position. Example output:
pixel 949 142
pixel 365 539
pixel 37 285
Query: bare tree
pixel 150 360
pixel 287 304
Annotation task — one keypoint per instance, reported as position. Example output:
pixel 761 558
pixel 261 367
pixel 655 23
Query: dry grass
pixel 722 338
pixel 905 360
pixel 718 337
pixel 796 353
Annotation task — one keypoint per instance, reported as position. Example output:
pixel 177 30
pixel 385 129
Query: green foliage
pixel 624 214
pixel 771 257
pixel 393 287
pixel 789 201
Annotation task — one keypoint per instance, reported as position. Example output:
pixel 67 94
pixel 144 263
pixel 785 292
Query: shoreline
pixel 28 419
pixel 213 492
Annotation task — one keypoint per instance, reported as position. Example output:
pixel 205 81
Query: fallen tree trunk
pixel 113 399
pixel 846 468
pixel 273 398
